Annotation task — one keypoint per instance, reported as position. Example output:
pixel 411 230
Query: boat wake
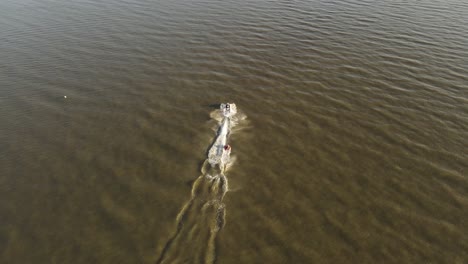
pixel 201 218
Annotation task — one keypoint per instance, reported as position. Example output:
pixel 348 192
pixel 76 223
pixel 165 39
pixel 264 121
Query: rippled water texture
pixel 354 149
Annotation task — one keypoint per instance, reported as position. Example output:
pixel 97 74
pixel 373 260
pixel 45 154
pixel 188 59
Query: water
pixel 353 150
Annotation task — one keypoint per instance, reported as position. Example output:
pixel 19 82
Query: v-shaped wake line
pixel 201 218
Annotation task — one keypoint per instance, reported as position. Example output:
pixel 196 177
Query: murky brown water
pixel 354 149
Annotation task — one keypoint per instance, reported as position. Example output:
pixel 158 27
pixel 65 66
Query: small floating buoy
pixel 65 96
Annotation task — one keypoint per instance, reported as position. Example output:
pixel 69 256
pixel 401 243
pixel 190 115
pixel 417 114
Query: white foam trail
pixel 217 155
pixel 219 152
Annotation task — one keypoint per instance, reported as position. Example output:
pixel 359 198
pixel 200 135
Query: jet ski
pixel 228 109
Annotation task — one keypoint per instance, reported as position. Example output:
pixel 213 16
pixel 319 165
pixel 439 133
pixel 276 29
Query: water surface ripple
pixel 359 111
